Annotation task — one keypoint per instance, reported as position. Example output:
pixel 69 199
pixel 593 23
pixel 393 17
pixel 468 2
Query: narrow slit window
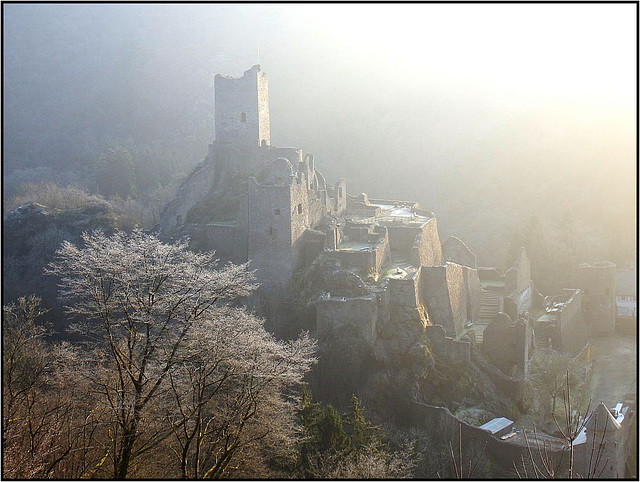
pixel 243 117
pixel 299 208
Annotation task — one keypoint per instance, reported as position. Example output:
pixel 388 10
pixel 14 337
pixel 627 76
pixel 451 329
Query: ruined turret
pixel 242 108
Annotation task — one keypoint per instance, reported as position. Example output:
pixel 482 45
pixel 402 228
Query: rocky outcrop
pixel 32 219
pixel 31 235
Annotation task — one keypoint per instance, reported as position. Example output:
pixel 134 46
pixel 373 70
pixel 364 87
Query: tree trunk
pixel 128 439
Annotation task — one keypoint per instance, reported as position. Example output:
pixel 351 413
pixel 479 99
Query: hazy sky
pixel 496 57
pixel 520 98
pixel 517 52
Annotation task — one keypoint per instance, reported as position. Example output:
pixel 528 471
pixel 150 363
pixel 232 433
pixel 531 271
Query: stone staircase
pixel 489 307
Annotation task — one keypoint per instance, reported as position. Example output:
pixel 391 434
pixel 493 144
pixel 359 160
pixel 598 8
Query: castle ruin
pixel 375 266
pixel 369 272
pixel 371 263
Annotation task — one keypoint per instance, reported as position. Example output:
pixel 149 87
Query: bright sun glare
pixel 518 50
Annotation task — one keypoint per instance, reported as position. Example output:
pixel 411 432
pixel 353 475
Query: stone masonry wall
pixel 340 197
pixel 427 250
pixel 572 329
pixel 403 237
pixel 219 238
pixel 474 291
pixel 264 121
pixel 444 346
pixel 361 313
pixel 444 291
pixel 407 314
pixel 455 251
pixel 241 115
pixel 368 261
pixel 598 284
pixel 446 425
pixel 191 192
pixel 269 233
pixel 457 295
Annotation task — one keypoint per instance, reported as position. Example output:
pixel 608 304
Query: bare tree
pixel 544 463
pixel 24 361
pixel 465 469
pixel 149 305
pixel 230 391
pixel 550 375
pixel 41 425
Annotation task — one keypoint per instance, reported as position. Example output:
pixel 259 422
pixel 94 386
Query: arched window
pixel 243 117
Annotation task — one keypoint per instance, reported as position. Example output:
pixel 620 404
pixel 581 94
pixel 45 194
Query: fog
pixel 486 114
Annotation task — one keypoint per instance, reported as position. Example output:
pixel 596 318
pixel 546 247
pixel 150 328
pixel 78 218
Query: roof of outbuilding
pixel 601 419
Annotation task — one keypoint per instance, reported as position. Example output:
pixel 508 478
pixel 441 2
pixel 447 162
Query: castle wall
pixel 500 342
pixel 573 334
pixel 299 209
pixel 190 193
pixel 405 305
pixel 340 197
pixel 444 346
pixel 444 291
pixel 360 206
pixel 508 344
pixel 317 209
pixel 598 284
pixel 335 312
pixel 420 243
pixel 293 154
pixel 219 238
pixel 473 292
pixel 455 251
pixel 403 237
pixel 314 243
pixel 564 321
pixel 442 422
pixel 264 121
pixel 270 234
pixel 369 262
pixel 427 250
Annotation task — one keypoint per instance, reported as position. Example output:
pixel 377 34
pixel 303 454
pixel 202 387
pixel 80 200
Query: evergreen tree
pixel 361 431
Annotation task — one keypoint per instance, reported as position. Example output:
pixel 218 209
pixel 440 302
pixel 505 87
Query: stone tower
pixel 598 284
pixel 242 109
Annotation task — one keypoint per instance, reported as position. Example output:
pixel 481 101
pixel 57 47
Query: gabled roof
pixel 601 419
pixel 497 424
